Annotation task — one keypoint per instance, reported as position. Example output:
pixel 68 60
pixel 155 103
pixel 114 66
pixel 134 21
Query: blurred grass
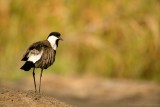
pixel 108 38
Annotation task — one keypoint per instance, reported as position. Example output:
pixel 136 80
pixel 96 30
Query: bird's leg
pixel 40 80
pixel 34 79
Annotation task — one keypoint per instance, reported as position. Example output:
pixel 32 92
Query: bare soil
pixel 18 98
pixel 81 92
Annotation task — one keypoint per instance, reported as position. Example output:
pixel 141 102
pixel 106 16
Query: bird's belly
pixel 43 64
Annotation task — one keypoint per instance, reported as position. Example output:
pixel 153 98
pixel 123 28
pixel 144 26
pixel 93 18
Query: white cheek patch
pixel 52 41
pixel 34 58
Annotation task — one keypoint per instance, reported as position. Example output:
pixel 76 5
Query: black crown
pixel 57 34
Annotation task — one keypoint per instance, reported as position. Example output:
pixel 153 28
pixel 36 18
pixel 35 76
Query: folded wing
pixel 34 52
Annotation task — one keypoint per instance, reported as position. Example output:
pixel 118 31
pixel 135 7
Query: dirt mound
pixel 81 91
pixel 16 98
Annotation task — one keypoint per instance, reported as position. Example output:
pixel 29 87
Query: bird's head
pixel 54 38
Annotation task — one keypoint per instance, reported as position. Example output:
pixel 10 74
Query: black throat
pixel 57 41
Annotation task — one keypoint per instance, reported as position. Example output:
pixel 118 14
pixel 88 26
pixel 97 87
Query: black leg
pixel 34 79
pixel 40 80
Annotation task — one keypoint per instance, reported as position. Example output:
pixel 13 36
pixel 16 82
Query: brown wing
pixel 47 59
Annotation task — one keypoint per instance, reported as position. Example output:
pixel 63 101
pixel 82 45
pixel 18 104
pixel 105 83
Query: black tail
pixel 27 66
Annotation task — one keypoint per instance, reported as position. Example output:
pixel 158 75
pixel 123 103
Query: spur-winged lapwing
pixel 41 55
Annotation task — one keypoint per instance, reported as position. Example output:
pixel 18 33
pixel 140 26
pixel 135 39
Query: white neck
pixel 52 41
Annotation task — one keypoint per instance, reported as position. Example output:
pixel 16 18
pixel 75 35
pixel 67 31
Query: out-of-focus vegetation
pixel 109 38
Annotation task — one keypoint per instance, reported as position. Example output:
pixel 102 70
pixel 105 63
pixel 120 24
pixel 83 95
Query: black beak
pixel 60 38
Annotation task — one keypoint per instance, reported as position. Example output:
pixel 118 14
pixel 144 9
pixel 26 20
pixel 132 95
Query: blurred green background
pixel 102 38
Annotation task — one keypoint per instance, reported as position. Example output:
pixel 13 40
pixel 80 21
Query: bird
pixel 41 55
